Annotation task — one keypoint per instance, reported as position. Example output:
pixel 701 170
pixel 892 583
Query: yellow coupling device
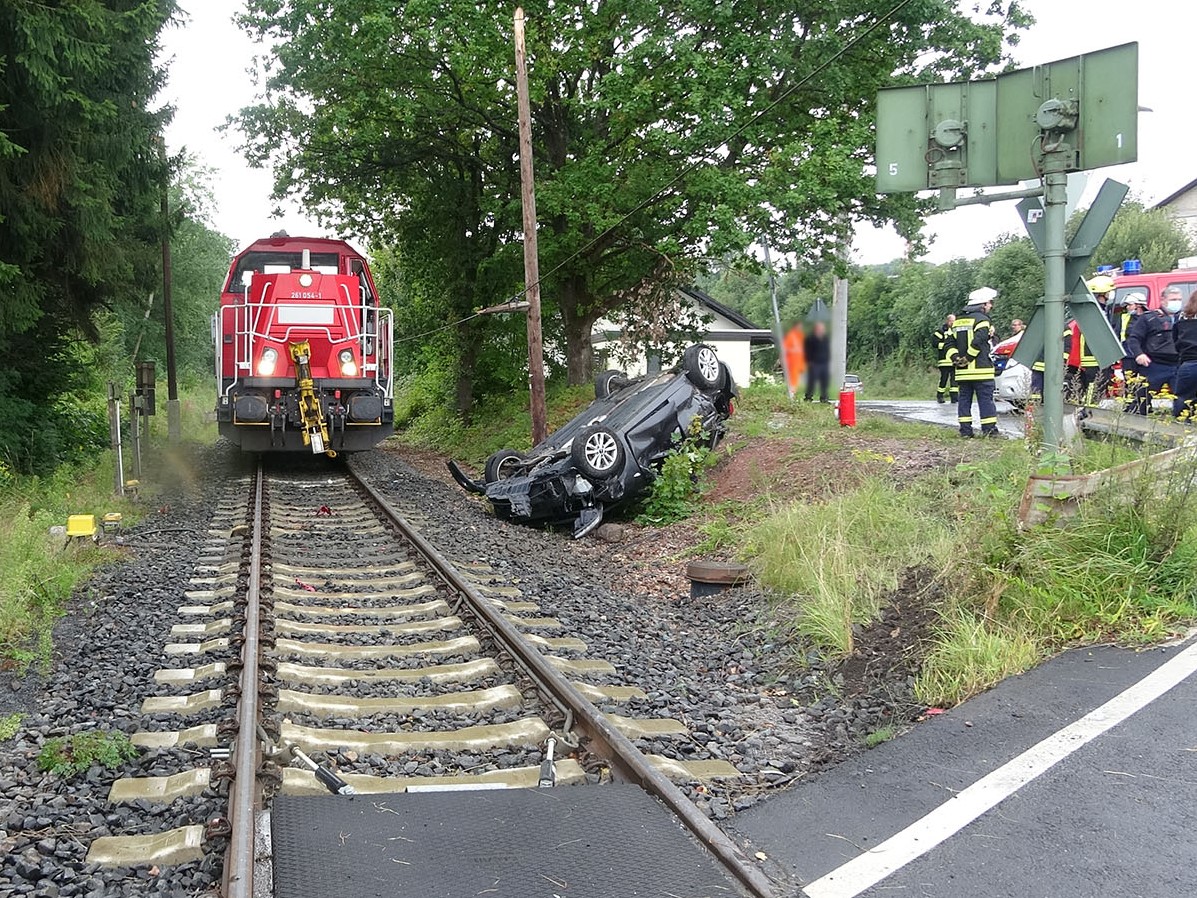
pixel 315 430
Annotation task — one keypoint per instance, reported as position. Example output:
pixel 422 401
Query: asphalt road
pixel 1076 779
pixel 1010 424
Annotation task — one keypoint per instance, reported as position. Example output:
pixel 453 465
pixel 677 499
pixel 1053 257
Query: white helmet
pixel 1135 299
pixel 980 296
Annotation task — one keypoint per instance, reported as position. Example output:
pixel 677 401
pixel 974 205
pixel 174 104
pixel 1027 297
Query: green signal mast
pixel 1039 123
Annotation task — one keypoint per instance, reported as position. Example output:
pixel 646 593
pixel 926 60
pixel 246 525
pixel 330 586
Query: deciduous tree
pixel 663 132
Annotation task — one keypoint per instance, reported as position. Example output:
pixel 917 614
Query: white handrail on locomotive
pixel 246 333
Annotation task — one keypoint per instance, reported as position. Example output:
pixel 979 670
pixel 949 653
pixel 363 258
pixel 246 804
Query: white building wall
pixel 736 354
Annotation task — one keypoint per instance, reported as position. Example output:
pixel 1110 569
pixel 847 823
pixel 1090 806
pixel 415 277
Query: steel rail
pixel 243 798
pixel 627 762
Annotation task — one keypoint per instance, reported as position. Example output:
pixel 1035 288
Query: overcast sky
pixel 209 57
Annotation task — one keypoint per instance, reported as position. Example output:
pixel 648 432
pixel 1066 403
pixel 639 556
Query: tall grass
pixel 836 561
pixel 971 653
pixel 40 571
pixel 1123 570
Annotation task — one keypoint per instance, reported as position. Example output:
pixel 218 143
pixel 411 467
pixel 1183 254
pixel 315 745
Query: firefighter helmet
pixel 1101 284
pixel 1135 299
pixel 980 296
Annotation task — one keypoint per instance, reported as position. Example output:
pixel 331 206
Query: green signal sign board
pixel 990 132
pixel 1099 91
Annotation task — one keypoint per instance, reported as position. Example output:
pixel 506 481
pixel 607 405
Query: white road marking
pixel 868 869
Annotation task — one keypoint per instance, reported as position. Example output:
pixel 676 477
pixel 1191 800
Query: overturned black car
pixel 614 449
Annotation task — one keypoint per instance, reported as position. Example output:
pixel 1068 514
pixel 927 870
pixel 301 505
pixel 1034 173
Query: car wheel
pixel 702 366
pixel 503 464
pixel 609 382
pixel 597 452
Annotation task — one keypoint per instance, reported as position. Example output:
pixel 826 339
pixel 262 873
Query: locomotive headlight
pixel 348 365
pixel 267 362
pixel 305 280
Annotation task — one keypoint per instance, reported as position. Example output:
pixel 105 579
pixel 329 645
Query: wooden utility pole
pixel 531 264
pixel 174 427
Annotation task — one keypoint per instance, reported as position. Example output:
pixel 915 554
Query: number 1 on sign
pixel 1118 138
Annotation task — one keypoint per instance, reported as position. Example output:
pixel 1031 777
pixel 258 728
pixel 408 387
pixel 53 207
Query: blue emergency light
pixel 1104 269
pixel 1132 266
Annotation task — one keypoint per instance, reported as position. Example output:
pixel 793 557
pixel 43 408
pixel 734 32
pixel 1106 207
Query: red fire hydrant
pixel 846 408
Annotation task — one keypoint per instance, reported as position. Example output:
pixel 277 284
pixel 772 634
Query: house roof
pixel 1171 198
pixel 705 299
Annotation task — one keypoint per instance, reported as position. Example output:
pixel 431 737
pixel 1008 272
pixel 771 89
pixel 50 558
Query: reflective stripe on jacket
pixel 942 339
pixel 972 332
pixel 1076 348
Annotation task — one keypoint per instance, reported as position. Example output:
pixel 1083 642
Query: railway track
pixel 325 647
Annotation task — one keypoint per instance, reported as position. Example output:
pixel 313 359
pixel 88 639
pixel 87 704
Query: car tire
pixel 597 452
pixel 610 381
pixel 702 367
pixel 502 464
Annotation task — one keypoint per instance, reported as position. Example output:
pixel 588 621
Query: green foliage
pixel 893 309
pixel 39 573
pixel 835 561
pixel 200 258
pixel 663 132
pixel 71 755
pixel 78 193
pixel 969 655
pixel 1014 268
pixel 1150 235
pixel 680 482
pixel 10 726
pixel 880 735
pixel 1125 567
pixel 502 423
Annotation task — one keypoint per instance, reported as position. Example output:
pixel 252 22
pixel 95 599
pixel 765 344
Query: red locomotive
pixel 303 350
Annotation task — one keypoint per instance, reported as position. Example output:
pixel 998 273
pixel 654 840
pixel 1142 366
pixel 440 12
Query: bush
pixel 68 756
pixel 680 482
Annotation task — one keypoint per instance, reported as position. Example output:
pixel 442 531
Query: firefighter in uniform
pixel 1135 305
pixel 969 354
pixel 1150 342
pixel 1082 371
pixel 1103 290
pixel 947 371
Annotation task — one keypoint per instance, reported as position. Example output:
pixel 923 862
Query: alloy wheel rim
pixel 601 451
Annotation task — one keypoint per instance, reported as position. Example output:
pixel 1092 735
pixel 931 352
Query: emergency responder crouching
pixel 969 355
pixel 1134 305
pixel 1150 342
pixel 947 372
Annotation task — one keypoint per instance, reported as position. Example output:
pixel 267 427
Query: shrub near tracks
pixel 1125 569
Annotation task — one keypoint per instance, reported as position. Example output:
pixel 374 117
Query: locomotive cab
pixel 303 350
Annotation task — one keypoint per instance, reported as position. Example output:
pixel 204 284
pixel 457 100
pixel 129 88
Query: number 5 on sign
pixel 893 167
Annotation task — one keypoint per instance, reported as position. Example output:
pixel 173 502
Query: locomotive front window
pixel 280 261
